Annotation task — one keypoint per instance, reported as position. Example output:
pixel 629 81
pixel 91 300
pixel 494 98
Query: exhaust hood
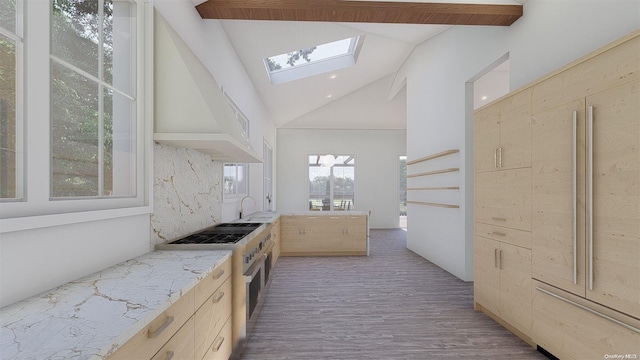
pixel 190 109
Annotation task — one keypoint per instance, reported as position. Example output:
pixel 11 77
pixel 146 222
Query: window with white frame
pixel 85 114
pixel 235 180
pixel 93 106
pixel 332 186
pixel 10 99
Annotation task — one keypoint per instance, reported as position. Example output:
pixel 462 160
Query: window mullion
pixel 331 183
pixel 100 98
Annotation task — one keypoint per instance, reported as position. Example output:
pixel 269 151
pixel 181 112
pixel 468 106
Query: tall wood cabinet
pixel 585 206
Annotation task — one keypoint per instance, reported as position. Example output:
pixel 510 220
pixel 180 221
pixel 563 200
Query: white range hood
pixel 189 108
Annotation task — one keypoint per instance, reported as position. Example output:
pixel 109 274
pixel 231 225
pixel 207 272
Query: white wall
pixel 551 34
pixel 377 173
pixel 209 42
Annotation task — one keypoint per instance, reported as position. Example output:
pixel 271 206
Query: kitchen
pixel 41 252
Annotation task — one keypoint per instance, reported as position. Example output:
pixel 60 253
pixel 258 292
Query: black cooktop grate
pixel 228 233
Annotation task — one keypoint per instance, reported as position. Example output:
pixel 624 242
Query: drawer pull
pixel 218 275
pixel 498 219
pixel 219 342
pixel 334 217
pixel 632 328
pixel 217 300
pixel 169 355
pixel 498 233
pixel 153 334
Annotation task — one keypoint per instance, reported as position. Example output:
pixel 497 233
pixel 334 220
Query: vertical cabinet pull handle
pixel 590 193
pixel 155 333
pixel 574 194
pixel 495 258
pixel 500 259
pixel 495 158
pixel 500 154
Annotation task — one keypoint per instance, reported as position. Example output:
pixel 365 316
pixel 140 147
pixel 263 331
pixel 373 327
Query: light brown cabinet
pixel 189 328
pixel 323 235
pixel 503 281
pixel 586 179
pixel 502 134
pixel 275 236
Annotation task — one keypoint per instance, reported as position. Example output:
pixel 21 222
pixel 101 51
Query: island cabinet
pixel 324 235
pixel 275 236
pixel 196 327
pixel 586 204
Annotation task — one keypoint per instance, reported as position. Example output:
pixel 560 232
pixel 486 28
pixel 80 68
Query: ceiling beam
pixel 361 11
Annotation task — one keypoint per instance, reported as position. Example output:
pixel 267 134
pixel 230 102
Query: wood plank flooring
pixel 391 305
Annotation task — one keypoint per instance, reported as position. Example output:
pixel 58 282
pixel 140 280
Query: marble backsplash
pixel 187 192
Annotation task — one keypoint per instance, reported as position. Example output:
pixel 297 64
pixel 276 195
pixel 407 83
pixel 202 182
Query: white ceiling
pixel 357 97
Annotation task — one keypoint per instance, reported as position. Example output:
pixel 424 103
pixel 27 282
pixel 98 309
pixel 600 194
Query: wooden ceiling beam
pixel 361 11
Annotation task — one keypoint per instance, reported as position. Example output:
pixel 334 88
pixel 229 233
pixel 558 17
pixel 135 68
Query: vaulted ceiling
pixel 356 97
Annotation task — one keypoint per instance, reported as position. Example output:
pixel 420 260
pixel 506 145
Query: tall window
pixel 332 188
pixel 267 155
pixel 93 105
pixel 10 98
pixel 235 180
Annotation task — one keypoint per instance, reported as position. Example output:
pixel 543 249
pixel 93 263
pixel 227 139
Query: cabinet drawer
pixel 222 345
pixel 149 340
pixel 211 317
pixel 571 327
pixel 180 346
pixel 213 281
pixel 503 198
pixel 511 236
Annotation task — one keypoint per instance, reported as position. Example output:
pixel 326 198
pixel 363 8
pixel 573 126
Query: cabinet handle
pixel 632 328
pixel 495 158
pixel 218 275
pixel 500 259
pixel 155 333
pixel 500 155
pixel 495 258
pixel 169 355
pixel 334 217
pixel 590 193
pixel 498 233
pixel 217 300
pixel 575 196
pixel 218 344
pixel 498 218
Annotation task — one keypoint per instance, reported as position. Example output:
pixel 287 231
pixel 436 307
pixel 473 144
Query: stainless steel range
pixel 252 246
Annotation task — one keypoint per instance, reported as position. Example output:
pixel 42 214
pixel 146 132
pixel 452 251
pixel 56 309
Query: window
pixel 10 99
pixel 93 107
pixel 314 60
pixel 267 155
pixel 77 144
pixel 332 188
pixel 235 180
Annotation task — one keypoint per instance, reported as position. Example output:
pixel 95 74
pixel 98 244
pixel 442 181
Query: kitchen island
pixel 92 317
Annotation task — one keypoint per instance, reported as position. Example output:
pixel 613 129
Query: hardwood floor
pixel 391 305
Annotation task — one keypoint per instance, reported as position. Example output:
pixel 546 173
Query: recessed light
pixel 333 76
pixel 484 97
pixel 329 95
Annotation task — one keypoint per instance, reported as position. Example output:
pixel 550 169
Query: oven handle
pixel 253 270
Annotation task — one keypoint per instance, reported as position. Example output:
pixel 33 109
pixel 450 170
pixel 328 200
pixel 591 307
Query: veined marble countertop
pixel 327 213
pixel 89 318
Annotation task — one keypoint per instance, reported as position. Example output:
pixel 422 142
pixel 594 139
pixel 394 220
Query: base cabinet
pixel 199 321
pixel 323 235
pixel 572 328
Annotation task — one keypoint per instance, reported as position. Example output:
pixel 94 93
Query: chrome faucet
pixel 242 202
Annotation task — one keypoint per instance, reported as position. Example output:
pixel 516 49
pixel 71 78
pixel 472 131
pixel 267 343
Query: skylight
pixel 298 64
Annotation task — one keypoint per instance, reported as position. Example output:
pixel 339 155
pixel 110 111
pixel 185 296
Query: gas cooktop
pixel 227 233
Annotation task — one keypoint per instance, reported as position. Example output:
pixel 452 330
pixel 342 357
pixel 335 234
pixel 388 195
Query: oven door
pixel 254 278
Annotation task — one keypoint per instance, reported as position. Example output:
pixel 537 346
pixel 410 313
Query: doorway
pixel 402 192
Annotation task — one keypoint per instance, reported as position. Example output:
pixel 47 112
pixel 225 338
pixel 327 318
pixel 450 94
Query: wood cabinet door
pixel 554 234
pixel 615 258
pixel 515 286
pixel 486 132
pixel 503 198
pixel 211 317
pixel 486 284
pixel 180 346
pixel 514 149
